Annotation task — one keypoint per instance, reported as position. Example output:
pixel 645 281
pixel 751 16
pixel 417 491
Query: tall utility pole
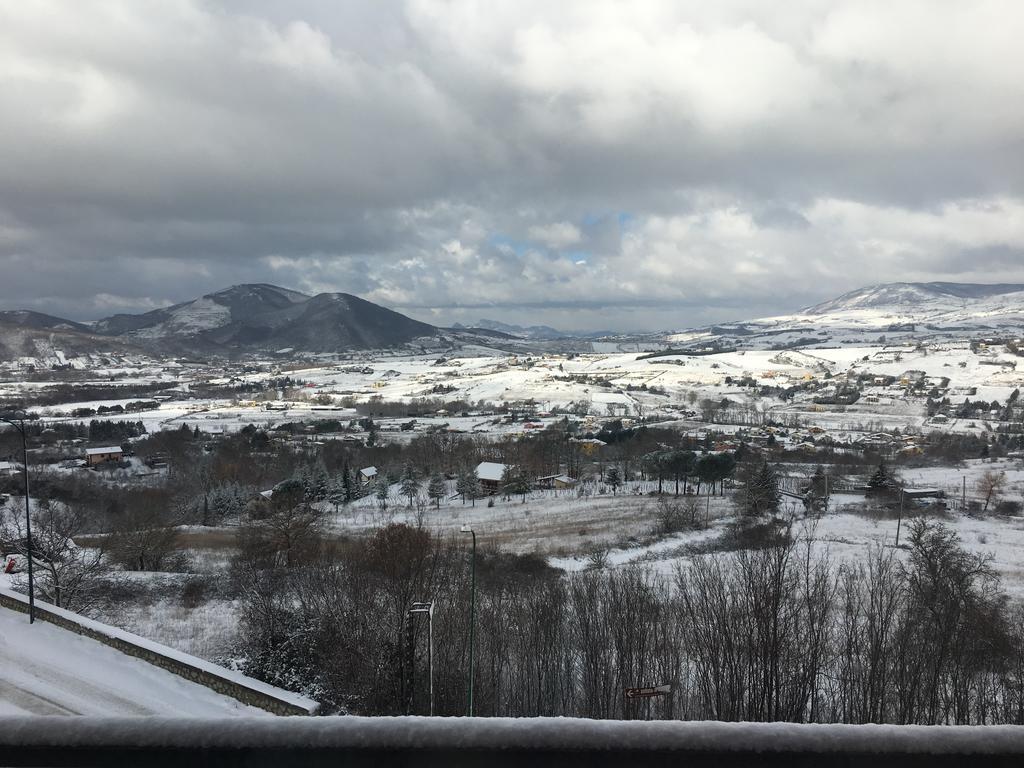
pixel 899 520
pixel 409 678
pixel 428 608
pixel 472 616
pixel 19 425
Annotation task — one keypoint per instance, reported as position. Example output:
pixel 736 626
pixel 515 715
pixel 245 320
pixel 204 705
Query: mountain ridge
pixel 241 319
pixel 262 318
pixel 911 293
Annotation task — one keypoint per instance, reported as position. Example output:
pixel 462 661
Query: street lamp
pixel 428 608
pixel 899 520
pixel 19 425
pixel 472 614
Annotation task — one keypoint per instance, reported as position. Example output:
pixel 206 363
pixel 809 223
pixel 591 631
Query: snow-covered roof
pixel 368 471
pixel 564 478
pixel 490 470
pixel 100 451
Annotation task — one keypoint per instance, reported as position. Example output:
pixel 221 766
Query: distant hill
pixel 540 332
pixel 261 317
pixel 242 319
pixel 912 296
pixel 238 304
pixel 885 313
pixel 29 320
pixel 52 341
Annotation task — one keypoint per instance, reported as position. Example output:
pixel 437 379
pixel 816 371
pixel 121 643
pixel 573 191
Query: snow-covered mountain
pixel 888 312
pixel 242 319
pixel 29 320
pixel 260 317
pixel 236 304
pixel 540 332
pixel 930 299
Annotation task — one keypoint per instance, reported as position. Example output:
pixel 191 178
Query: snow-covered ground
pixel 626 384
pixel 46 670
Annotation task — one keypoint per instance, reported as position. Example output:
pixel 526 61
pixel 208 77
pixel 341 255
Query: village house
pixel 589 445
pixel 557 482
pixel 491 475
pixel 94 457
pixel 367 475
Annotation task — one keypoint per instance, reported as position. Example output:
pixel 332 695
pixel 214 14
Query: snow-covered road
pixel 46 670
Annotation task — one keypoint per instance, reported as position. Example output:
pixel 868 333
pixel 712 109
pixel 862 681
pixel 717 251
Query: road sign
pixel 647 693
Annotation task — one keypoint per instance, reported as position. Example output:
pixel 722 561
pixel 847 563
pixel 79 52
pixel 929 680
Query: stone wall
pixel 208 678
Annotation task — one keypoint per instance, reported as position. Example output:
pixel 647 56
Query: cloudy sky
pixel 585 164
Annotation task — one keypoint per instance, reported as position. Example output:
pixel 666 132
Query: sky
pixel 585 164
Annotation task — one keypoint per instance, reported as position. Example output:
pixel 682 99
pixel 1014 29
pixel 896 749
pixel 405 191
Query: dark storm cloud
pixel 582 163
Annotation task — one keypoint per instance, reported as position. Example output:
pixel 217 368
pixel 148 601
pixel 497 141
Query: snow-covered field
pixel 568 528
pixel 631 385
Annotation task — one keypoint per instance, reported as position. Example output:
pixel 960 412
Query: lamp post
pixel 472 615
pixel 19 425
pixel 899 520
pixel 428 608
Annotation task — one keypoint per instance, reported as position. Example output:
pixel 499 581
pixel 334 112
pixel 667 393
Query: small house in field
pixel 94 457
pixel 490 474
pixel 588 445
pixel 367 475
pixel 557 482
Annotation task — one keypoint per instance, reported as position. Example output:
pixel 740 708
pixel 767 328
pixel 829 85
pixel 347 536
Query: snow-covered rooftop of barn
pixel 101 451
pixel 490 470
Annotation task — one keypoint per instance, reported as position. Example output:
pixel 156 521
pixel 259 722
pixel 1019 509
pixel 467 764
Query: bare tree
pixel 67 575
pixel 991 485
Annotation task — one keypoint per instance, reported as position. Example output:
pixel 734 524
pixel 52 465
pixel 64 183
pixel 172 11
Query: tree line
pixel 780 632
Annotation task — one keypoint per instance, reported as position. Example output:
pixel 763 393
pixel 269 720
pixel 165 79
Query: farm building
pixel 558 482
pixel 96 456
pixel 490 474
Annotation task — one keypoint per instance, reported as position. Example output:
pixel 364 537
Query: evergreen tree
pixel 614 478
pixel 436 489
pixel 882 482
pixel 336 493
pixel 410 483
pixel 725 465
pixel 348 485
pixel 468 486
pixel 516 482
pixel 760 492
pixel 317 482
pixel 819 483
pixel 381 488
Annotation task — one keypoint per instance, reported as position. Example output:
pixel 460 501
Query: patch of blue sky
pixel 518 247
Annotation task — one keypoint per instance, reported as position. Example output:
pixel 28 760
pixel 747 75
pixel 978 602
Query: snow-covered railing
pixel 495 743
pixel 228 682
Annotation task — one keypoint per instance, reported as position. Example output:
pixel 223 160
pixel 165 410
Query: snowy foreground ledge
pixel 33 741
pixel 44 650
